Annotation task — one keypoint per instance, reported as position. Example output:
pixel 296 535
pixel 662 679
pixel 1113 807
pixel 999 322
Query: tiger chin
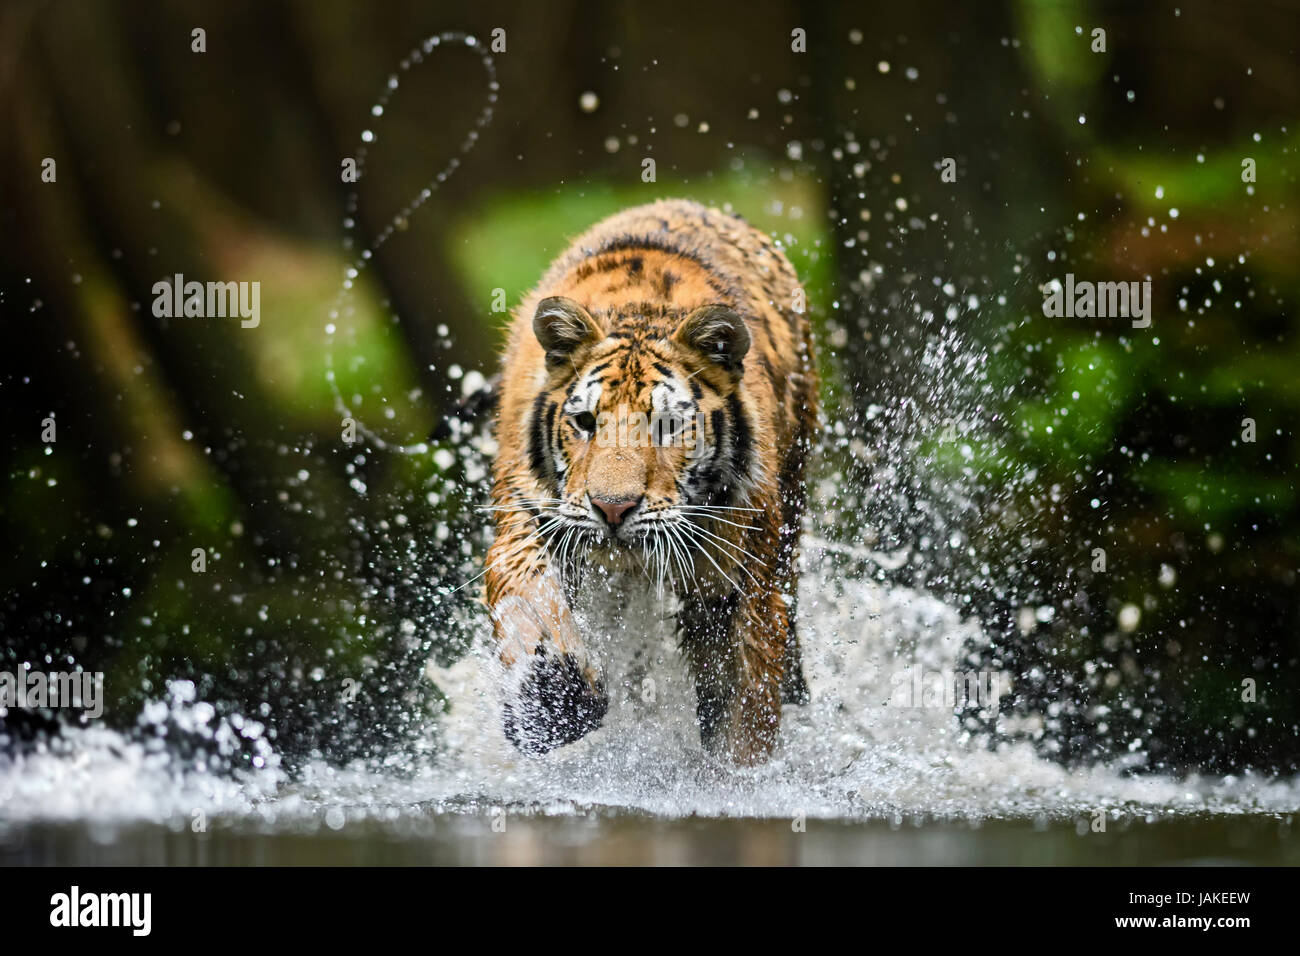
pixel 657 406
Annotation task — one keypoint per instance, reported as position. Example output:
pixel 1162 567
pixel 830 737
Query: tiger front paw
pixel 555 704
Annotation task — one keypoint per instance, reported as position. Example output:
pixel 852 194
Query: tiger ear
pixel 562 326
pixel 717 331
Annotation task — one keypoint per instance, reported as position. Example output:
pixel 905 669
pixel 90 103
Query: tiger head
pixel 640 431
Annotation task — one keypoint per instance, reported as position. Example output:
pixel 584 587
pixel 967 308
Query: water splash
pixel 854 753
pixel 342 306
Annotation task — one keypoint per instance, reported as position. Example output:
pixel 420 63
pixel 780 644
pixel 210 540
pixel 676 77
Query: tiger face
pixel 640 430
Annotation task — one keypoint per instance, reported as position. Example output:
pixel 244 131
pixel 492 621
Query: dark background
pixel 995 448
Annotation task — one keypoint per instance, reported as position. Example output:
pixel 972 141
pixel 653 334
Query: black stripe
pixel 719 422
pixel 550 420
pixel 772 377
pixel 553 433
pixel 537 438
pixel 704 473
pixel 620 243
pixel 742 446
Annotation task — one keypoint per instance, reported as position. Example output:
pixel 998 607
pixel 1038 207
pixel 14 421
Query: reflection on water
pixel 634 840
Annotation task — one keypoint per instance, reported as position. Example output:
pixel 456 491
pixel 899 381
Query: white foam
pixel 849 754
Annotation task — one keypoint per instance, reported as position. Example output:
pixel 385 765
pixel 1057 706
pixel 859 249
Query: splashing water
pixel 856 752
pixel 343 302
pixel 865 748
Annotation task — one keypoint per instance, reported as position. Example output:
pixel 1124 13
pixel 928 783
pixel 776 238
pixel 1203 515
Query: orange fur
pixel 631 317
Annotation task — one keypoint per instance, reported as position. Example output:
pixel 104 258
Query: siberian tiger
pixel 657 408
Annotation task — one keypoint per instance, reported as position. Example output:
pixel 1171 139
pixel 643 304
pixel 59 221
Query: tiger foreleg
pixel 736 645
pixel 554 695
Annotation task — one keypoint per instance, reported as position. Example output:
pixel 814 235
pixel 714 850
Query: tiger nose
pixel 614 510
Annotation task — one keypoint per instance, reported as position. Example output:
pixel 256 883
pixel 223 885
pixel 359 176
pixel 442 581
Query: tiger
pixel 690 319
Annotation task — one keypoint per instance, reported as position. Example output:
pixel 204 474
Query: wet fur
pixel 643 308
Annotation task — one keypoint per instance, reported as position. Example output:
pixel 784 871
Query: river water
pixel 865 773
